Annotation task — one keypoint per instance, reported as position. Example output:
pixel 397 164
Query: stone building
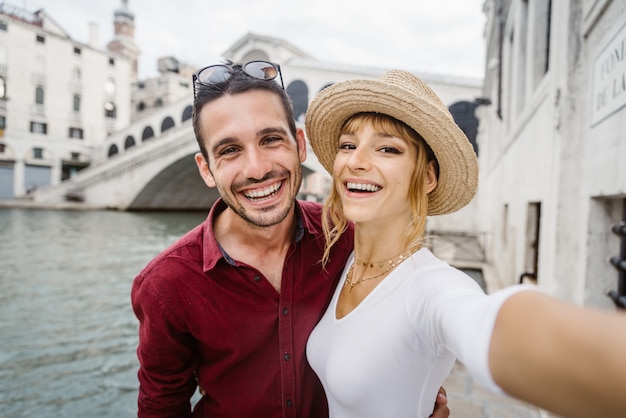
pixel 171 85
pixel 553 146
pixel 59 99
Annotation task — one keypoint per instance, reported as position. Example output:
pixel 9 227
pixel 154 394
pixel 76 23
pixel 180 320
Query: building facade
pixel 553 177
pixel 59 99
pixel 171 85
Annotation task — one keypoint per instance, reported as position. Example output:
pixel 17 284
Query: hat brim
pixel 458 166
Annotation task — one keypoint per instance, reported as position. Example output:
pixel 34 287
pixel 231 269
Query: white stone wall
pixel 549 147
pixel 56 66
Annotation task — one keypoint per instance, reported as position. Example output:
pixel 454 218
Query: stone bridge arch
pixel 177 187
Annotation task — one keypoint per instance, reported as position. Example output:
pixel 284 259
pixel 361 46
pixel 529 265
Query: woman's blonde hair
pixel 333 221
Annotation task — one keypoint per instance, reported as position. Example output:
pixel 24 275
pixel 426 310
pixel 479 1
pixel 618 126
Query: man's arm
pixel 166 359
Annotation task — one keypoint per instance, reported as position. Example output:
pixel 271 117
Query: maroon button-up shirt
pixel 207 319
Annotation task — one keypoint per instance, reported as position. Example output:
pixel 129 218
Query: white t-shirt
pixel 389 356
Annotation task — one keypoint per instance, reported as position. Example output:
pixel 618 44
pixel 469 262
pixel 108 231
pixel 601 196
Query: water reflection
pixel 67 332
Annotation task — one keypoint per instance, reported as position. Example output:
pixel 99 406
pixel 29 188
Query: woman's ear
pixel 431 177
pixel 203 169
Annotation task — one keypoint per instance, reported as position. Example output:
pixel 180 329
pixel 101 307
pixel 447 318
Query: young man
pixel 230 306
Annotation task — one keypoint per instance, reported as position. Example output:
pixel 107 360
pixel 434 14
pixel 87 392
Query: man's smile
pixel 257 195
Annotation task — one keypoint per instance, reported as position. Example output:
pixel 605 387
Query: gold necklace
pixel 391 264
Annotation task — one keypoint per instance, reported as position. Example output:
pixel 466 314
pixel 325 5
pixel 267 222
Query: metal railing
pixel 619 262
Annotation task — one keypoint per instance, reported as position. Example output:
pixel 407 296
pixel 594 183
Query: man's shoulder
pixel 186 249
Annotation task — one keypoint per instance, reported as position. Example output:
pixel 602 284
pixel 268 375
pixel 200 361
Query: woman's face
pixel 372 174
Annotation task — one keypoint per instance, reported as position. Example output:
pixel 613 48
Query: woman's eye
pixel 390 150
pixel 346 145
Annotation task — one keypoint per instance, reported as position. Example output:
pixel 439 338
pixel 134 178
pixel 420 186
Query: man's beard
pixel 262 221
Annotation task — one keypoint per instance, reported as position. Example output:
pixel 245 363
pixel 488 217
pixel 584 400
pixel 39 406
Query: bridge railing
pixel 118 166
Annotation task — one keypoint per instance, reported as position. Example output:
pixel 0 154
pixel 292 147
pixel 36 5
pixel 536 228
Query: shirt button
pixel 288 403
pixel 257 278
pixel 285 311
pixel 286 356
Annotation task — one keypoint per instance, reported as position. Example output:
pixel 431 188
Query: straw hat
pixel 407 98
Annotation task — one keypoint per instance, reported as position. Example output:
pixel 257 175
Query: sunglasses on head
pixel 261 70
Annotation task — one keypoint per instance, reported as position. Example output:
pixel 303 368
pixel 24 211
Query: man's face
pixel 254 161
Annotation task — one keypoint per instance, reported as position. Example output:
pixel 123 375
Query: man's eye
pixel 271 139
pixel 229 150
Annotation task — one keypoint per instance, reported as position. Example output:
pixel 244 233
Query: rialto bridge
pixel 149 165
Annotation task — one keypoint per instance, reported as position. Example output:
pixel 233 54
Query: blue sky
pixel 443 36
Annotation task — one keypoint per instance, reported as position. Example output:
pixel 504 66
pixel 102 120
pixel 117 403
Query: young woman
pixel 400 317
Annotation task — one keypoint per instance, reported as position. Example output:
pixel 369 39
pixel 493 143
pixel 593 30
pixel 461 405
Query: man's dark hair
pixel 239 82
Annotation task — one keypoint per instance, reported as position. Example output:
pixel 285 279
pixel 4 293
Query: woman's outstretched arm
pixel 560 357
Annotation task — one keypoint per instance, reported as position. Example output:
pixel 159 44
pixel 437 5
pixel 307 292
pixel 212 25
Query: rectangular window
pixel 3 25
pixel 109 110
pixel 76 133
pixel 38 153
pixel 2 148
pixel 39 95
pixel 533 223
pixel 111 61
pixel 76 103
pixel 77 50
pixel 75 156
pixel 3 122
pixel 39 128
pixel 41 39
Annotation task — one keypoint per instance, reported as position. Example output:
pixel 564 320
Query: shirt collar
pixel 212 250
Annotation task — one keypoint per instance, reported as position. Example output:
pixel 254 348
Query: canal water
pixel 67 331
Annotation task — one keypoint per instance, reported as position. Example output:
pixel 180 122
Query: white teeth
pixel 260 194
pixel 363 187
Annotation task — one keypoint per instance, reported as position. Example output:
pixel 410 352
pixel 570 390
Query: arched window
pixel 167 123
pixel 3 88
pixel 464 116
pixel 299 94
pixel 39 95
pixel 129 142
pixel 110 110
pixel 187 113
pixel 76 74
pixel 147 133
pixel 113 150
pixel 76 103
